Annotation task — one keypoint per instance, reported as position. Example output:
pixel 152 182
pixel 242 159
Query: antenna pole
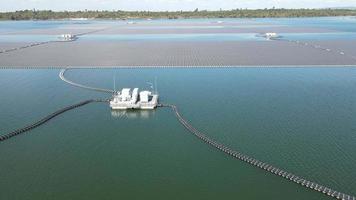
pixel 115 82
pixel 156 85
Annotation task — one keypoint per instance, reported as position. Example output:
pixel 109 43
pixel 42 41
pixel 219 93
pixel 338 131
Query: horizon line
pixel 183 10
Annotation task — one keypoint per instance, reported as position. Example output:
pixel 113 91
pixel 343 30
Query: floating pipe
pixel 46 119
pixel 262 165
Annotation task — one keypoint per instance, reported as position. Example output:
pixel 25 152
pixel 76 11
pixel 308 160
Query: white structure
pixel 79 19
pixel 68 37
pixel 270 35
pixel 127 99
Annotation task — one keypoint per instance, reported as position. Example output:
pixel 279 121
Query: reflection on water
pixel 132 114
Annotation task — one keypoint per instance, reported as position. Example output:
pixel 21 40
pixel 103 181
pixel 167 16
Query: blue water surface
pixel 337 28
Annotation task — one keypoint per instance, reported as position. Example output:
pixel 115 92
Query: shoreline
pixel 179 18
pixel 129 15
pixel 172 19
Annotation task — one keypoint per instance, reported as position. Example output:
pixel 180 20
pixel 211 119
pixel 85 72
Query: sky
pixel 170 5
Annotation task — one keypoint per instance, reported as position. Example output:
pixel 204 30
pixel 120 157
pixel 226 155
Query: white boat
pixel 127 99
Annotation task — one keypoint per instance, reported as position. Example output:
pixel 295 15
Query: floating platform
pixel 127 99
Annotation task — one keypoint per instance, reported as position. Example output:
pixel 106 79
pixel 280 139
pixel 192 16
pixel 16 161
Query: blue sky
pixel 154 5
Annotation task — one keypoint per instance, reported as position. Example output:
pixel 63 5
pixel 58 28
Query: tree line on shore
pixel 237 13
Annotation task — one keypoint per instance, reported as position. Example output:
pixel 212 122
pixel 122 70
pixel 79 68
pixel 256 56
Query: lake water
pixel 335 28
pixel 299 119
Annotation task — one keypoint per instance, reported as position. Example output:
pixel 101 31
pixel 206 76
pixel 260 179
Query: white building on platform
pixel 127 99
pixel 271 35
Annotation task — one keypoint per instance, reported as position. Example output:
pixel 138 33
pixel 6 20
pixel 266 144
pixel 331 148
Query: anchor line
pixel 257 163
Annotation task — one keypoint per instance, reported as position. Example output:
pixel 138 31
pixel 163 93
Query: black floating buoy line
pixel 200 135
pixel 58 112
pixel 47 118
pixel 257 163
